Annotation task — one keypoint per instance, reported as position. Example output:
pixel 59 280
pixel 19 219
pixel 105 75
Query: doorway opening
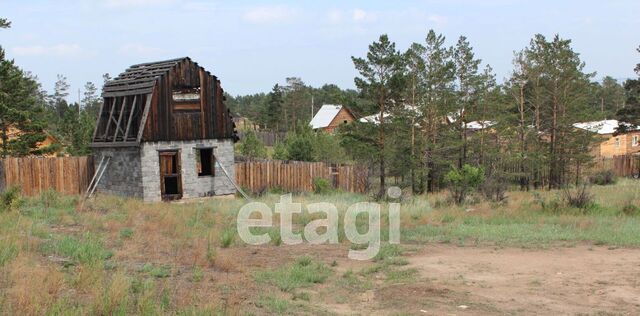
pixel 170 176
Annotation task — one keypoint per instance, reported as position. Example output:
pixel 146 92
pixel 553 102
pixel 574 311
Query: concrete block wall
pixel 123 175
pixel 193 186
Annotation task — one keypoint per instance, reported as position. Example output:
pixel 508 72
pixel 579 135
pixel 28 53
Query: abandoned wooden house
pixel 164 133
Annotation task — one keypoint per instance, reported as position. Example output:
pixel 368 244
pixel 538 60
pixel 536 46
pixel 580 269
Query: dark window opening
pixel 205 162
pixel 344 122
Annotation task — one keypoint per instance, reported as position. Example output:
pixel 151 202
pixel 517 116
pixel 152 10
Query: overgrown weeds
pixel 87 250
pixel 605 177
pixel 580 197
pixel 303 273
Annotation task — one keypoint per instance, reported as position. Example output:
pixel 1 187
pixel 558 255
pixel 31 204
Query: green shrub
pixel 251 147
pixel 604 177
pixel 10 197
pixel 321 186
pixel 581 197
pixel 463 181
pixel 630 209
pixel 495 187
pixel 280 152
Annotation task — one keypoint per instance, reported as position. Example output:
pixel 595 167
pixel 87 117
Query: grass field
pixel 117 256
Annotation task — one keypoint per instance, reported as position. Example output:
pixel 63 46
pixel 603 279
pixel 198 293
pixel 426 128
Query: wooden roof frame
pixel 128 101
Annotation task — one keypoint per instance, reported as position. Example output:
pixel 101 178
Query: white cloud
pixel 360 15
pixel 61 50
pixel 135 3
pixel 437 19
pixel 276 14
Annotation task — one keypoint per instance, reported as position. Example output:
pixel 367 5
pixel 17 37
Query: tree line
pixel 438 108
pixel 28 114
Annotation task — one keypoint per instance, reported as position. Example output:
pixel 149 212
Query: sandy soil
pixel 579 280
pixel 451 280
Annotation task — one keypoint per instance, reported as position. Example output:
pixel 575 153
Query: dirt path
pixel 471 280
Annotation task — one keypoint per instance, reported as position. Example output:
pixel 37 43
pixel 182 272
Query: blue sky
pixel 251 45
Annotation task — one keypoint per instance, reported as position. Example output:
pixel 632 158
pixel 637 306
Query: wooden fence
pixel 67 175
pixel 296 176
pixel 266 137
pixel 622 166
pixel 71 175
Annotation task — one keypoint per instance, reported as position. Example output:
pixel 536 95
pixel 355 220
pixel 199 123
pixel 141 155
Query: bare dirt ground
pixel 578 280
pixel 454 280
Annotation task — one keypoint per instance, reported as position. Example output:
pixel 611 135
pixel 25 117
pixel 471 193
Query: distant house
pixel 612 144
pixel 449 119
pixel 49 146
pixel 330 116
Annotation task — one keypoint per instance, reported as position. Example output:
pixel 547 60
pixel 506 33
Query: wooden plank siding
pixel 67 175
pixel 166 123
pixel 167 120
pixel 296 176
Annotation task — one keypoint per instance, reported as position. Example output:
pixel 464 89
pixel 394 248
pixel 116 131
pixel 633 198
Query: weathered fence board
pixel 296 176
pixel 622 166
pixel 266 137
pixel 67 175
pixel 71 175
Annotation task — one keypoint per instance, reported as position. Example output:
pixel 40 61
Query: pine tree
pixel 630 113
pixel 251 147
pixel 91 100
pixel 20 110
pixel 58 99
pixel 381 82
pixel 273 111
pixel 468 87
pixel 437 103
pixel 560 97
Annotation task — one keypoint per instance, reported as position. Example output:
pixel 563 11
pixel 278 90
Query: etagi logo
pixel 286 208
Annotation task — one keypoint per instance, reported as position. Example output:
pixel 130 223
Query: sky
pixel 251 45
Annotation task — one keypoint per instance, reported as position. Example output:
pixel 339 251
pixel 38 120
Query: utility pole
pixel 78 102
pixel 312 106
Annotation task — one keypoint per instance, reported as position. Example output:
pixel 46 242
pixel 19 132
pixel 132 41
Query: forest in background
pixel 427 94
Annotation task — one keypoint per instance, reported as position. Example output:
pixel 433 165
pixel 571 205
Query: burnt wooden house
pixel 163 132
